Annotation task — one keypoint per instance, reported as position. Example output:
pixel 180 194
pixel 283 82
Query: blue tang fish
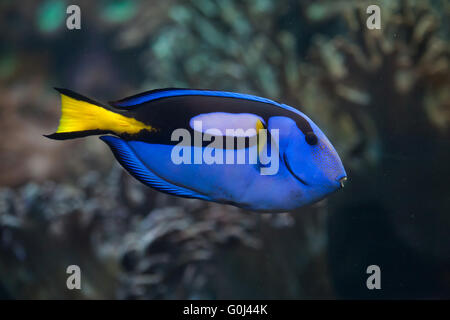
pixel 231 148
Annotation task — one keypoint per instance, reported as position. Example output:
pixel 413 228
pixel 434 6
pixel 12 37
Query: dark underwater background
pixel 381 96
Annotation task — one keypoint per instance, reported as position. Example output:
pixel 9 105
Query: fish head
pixel 311 158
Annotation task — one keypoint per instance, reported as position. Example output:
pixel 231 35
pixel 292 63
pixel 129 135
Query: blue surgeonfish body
pixel 218 146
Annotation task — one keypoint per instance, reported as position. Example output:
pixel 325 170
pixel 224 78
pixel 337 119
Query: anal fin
pixel 131 162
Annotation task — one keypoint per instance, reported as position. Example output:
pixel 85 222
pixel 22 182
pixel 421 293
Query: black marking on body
pixel 76 134
pixel 170 113
pixel 79 97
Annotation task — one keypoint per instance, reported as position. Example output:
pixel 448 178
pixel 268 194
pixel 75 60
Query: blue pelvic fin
pixel 130 161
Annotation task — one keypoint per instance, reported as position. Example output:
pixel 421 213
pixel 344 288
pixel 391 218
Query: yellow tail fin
pixel 81 116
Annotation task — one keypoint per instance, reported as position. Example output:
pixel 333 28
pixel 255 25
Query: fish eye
pixel 311 138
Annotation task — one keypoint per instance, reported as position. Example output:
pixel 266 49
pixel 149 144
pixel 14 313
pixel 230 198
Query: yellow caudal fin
pixel 81 116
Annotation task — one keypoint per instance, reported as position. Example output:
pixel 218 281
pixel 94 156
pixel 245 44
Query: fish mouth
pixel 292 172
pixel 342 181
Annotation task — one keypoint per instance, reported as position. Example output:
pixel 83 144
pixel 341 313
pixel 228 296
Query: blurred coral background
pixel 381 96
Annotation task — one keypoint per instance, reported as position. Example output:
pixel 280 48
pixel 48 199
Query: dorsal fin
pixel 140 98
